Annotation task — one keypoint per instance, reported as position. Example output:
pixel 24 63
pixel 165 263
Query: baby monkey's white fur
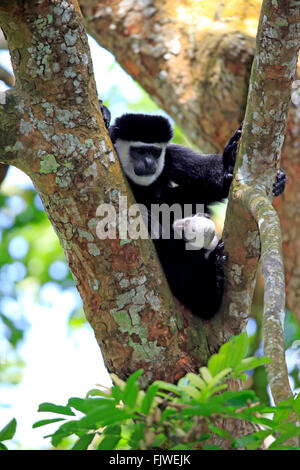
pixel 198 231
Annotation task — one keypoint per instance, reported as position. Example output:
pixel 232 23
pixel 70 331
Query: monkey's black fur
pixel 146 129
pixel 195 277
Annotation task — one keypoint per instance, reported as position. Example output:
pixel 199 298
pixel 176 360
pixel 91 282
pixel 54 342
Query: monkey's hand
pixel 279 185
pixel 105 113
pixel 230 152
pixel 198 232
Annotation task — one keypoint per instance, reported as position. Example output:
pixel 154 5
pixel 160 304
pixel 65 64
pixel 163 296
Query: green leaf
pixel 43 422
pixel 87 404
pixel 211 447
pixel 117 393
pixel 241 398
pixel 148 398
pixel 169 387
pixel 250 442
pixel 230 354
pixel 206 374
pixel 131 389
pixel 206 409
pixel 114 429
pixel 167 414
pixel 65 430
pixel 286 431
pixel 112 435
pixel 281 415
pixel 182 447
pixel 217 378
pixel 8 431
pixel 196 380
pixel 237 350
pixel 137 435
pixel 83 442
pixel 251 363
pixel 63 410
pixel 191 391
pixel 103 416
pixel 96 392
pixel 109 443
pixel 15 334
pixel 219 431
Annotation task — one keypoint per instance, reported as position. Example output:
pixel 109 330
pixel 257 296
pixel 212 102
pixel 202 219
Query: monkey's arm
pixel 198 176
pixel 209 176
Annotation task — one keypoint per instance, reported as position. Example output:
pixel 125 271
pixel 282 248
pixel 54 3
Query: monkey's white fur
pixel 122 147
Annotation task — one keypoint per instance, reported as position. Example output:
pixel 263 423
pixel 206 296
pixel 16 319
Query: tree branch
pixel 3 42
pixel 274 295
pixel 6 77
pixel 3 171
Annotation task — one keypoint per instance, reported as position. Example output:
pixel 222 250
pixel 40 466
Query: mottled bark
pixel 273 72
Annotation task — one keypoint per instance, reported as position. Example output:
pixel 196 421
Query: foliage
pixel 177 417
pixel 7 433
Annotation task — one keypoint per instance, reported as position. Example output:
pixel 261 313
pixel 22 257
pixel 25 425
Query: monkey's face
pixel 141 162
pixel 144 158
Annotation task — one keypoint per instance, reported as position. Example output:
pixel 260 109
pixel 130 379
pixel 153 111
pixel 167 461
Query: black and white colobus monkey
pixel 160 172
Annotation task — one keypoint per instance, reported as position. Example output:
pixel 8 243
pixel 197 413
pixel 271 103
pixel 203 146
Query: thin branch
pixel 3 172
pixel 274 297
pixel 6 77
pixel 267 220
pixel 3 42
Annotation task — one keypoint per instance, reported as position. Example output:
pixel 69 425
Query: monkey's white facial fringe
pixel 122 147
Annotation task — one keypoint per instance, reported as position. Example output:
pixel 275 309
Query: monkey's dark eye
pixel 144 150
pixel 156 152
